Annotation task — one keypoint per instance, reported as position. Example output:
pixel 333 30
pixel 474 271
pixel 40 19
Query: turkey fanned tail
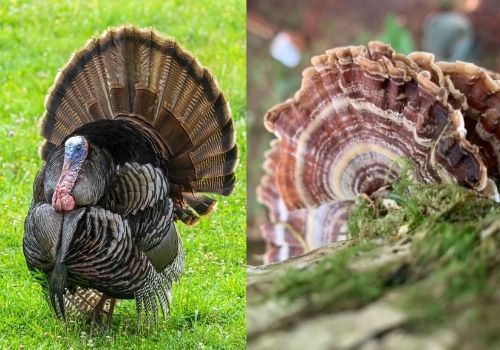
pixel 169 109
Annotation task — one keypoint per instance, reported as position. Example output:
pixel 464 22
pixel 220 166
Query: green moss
pixel 333 277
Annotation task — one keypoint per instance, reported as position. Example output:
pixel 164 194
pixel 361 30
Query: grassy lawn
pixel 36 39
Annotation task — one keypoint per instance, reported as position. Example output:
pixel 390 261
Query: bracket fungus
pixel 358 111
pixel 294 232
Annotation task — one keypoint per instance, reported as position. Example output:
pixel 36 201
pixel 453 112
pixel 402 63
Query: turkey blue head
pixel 77 174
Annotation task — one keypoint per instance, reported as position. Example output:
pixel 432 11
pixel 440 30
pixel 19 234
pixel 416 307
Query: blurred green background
pixel 36 39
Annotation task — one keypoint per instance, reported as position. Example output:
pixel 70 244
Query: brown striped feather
pixel 156 83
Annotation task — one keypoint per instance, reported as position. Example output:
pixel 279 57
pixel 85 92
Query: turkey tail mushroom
pixel 293 232
pixel 482 111
pixel 360 109
pixel 136 133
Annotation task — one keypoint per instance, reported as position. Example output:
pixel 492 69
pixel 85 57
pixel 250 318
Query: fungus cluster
pixel 360 110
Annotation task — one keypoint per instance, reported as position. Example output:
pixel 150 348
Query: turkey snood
pixel 75 153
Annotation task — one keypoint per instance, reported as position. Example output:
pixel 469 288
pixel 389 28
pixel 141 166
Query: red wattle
pixel 62 201
pixel 67 202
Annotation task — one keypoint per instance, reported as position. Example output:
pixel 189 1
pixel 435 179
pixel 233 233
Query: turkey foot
pixel 100 311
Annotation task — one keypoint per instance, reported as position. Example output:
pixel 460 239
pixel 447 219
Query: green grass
pixel 36 39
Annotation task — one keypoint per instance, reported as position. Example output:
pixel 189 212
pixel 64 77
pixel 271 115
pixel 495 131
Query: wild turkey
pixel 135 129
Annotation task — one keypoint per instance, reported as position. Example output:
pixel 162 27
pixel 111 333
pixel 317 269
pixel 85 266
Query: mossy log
pixel 423 274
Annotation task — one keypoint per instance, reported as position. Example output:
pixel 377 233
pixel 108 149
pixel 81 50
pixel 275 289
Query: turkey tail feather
pixel 138 75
